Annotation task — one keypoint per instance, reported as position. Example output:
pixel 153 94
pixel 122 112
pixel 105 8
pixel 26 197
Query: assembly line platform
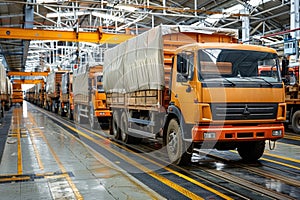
pixel 41 161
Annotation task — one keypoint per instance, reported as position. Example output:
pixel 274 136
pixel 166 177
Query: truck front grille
pixel 243 111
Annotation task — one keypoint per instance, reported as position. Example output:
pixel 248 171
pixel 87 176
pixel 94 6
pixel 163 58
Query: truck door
pixel 184 85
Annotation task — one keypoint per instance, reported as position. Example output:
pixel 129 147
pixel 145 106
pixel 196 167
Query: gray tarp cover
pixel 136 64
pixel 80 85
pixel 50 83
pixel 2 79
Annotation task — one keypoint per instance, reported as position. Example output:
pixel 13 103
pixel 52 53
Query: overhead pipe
pixel 280 33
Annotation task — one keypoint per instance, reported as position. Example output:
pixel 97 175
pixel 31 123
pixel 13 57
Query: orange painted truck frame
pixel 89 97
pixel 194 88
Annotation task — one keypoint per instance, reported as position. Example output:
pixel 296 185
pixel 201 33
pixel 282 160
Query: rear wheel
pixel 115 126
pixel 251 151
pixel 77 116
pixel 1 112
pixel 92 119
pixel 61 111
pixel 125 137
pixel 69 113
pixel 296 122
pixel 175 145
pixel 54 109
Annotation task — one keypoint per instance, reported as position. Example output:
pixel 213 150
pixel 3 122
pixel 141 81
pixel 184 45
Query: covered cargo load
pixel 129 70
pixel 89 97
pixel 2 80
pixel 138 63
pixel 80 86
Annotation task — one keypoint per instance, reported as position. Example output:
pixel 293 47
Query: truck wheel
pixel 115 126
pixel 1 112
pixel 60 111
pixel 251 151
pixel 69 114
pixel 124 130
pixel 53 108
pixel 92 119
pixel 296 122
pixel 175 145
pixel 77 116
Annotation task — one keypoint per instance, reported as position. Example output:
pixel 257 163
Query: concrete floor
pixel 42 161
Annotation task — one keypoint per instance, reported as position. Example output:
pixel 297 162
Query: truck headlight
pixel 209 135
pixel 277 133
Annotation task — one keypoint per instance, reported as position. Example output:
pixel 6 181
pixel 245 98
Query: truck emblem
pixel 246 111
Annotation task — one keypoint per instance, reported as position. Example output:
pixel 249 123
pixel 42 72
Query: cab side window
pixel 185 66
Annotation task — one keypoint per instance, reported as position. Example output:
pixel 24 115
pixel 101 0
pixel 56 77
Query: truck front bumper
pixel 103 113
pixel 229 133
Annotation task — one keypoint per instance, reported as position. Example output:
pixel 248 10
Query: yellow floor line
pixel 20 164
pixel 63 169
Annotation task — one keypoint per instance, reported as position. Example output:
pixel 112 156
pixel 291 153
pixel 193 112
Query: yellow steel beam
pixel 70 36
pixel 27 73
pixel 27 81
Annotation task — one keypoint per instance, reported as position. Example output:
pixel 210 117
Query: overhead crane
pixel 11 73
pixel 67 36
pixel 28 81
pixel 60 35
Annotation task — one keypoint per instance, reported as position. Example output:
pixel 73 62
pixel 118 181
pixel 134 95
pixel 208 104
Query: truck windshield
pixel 236 65
pixel 99 83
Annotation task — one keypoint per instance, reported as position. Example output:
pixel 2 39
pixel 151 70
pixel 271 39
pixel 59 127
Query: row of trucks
pixel 77 94
pixel 6 91
pixel 188 87
pixel 10 93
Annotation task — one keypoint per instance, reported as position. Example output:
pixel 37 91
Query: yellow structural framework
pixel 28 81
pixel 27 73
pixel 69 36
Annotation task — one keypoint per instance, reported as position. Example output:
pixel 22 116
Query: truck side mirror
pixel 181 78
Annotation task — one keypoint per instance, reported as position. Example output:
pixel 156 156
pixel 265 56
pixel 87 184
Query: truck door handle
pixel 176 95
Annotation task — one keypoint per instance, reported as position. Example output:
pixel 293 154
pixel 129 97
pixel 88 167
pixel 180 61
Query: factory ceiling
pixel 125 16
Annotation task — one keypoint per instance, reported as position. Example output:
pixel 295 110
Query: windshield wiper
pixel 231 83
pixel 270 84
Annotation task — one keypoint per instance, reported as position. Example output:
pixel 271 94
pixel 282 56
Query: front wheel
pixel 175 145
pixel 251 151
pixel 296 122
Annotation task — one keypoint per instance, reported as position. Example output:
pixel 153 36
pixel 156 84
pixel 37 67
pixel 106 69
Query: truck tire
pixel 92 119
pixel 175 145
pixel 69 114
pixel 54 108
pixel 77 116
pixel 60 111
pixel 296 122
pixel 251 151
pixel 1 112
pixel 125 137
pixel 116 126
